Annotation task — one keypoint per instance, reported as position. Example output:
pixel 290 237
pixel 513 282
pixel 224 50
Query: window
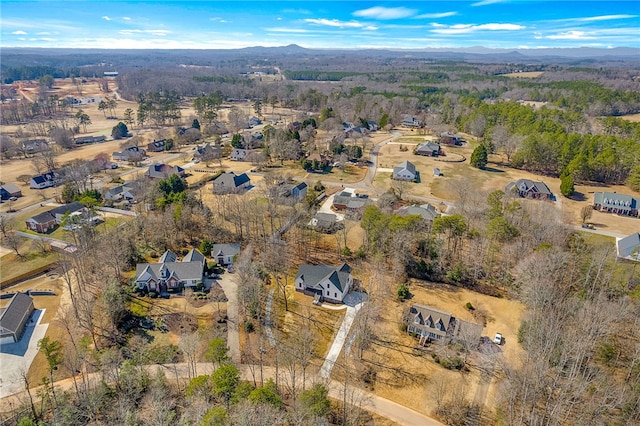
pixel 327 292
pixel 335 295
pixel 417 320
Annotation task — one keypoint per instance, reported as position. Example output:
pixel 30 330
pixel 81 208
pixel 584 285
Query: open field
pixel 631 117
pixel 526 74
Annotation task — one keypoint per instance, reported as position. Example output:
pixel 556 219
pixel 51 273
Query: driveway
pixel 229 286
pixel 17 357
pixel 354 302
pixel 326 208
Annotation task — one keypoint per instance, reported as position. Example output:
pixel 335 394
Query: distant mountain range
pixel 14 57
pixel 581 52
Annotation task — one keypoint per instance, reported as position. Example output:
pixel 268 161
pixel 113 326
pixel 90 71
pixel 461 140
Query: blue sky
pixel 326 24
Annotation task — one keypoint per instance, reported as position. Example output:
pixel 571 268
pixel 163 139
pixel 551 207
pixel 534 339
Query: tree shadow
pixel 578 196
pixel 493 170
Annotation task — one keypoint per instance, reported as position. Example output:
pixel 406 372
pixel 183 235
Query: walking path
pixel 267 319
pixel 230 289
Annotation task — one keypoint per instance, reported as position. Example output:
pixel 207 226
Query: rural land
pixel 318 237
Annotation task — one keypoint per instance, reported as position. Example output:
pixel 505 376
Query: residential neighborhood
pixel 288 235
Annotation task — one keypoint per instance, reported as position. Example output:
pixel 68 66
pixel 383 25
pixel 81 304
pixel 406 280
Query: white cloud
pixel 286 30
pixel 161 33
pixel 126 18
pixel 571 35
pixel 379 12
pixel 106 18
pixel 486 2
pixel 605 18
pixel 340 24
pixel 219 19
pixel 21 38
pixel 469 28
pixel 44 33
pixel 436 15
pixel 279 18
pixel 19 32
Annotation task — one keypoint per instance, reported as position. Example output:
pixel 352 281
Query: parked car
pixel 498 339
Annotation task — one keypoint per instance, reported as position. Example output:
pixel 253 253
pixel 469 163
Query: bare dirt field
pixel 526 74
pixel 632 117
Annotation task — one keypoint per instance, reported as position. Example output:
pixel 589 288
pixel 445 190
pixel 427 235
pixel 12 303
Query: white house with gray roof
pixel 169 274
pixel 224 254
pixel 328 282
pixel 405 171
pixel 231 183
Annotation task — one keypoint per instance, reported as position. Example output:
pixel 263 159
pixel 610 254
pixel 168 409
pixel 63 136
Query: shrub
pixel 346 252
pixel 248 326
pixel 469 306
pixel 153 294
pixel 566 185
pixel 479 157
pixel 403 292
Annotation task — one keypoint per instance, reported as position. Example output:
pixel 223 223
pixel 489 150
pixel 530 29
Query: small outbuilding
pixel 14 317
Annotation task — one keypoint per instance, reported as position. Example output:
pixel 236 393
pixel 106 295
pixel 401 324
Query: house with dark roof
pixel 120 192
pixel 224 254
pixel 428 149
pixel 411 121
pixel 430 324
pixel 14 317
pixel 163 171
pixel 351 203
pixel 45 180
pixel 324 281
pixel 207 151
pixel 295 191
pixel 447 138
pixel 231 183
pixel 194 256
pixel 9 190
pixel 156 146
pixel 239 154
pixel 405 171
pixel 629 247
pixel 49 220
pixel 325 222
pixel 527 188
pixel 85 140
pixel 132 153
pixel 428 212
pixel 170 274
pixel 612 202
pixel 35 145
